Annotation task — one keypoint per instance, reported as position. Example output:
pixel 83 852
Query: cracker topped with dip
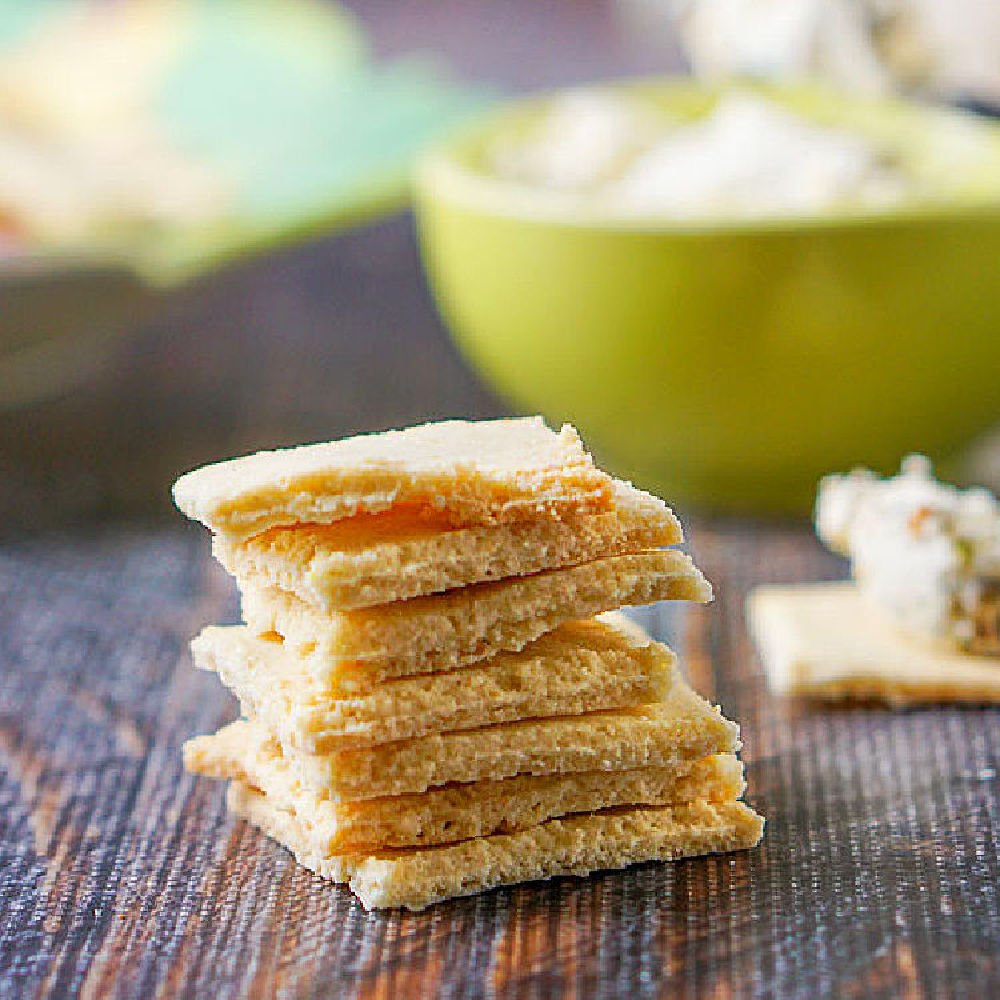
pixel 920 620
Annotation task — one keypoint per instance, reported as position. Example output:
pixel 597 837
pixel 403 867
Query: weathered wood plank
pixel 120 876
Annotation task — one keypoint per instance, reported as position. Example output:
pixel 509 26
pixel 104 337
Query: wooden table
pixel 121 876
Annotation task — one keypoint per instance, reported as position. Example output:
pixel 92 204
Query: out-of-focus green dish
pixel 729 364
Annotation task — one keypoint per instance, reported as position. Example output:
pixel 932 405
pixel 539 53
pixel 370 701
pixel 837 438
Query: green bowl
pixel 729 364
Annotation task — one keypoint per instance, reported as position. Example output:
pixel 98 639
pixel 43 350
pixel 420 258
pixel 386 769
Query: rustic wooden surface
pixel 120 876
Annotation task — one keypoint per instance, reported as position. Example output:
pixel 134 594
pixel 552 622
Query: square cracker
pixel 460 811
pixel 415 878
pixel 825 641
pixel 683 727
pixel 579 667
pixel 353 650
pixel 467 472
pixel 400 554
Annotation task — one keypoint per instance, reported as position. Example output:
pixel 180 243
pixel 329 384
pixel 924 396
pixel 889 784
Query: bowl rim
pixel 441 175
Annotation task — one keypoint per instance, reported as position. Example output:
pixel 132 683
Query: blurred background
pixel 207 244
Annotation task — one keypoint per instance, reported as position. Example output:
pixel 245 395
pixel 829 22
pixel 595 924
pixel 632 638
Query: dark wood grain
pixel 120 876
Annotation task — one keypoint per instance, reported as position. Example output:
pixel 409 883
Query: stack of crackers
pixel 435 699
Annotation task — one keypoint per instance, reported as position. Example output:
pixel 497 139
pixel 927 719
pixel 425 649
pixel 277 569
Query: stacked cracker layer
pixel 436 699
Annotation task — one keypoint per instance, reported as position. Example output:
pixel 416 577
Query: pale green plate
pixel 281 98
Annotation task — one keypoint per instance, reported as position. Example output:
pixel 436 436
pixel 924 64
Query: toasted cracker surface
pixel 580 667
pixel 353 650
pixel 381 558
pixel 576 845
pixel 683 727
pixel 824 641
pixel 469 472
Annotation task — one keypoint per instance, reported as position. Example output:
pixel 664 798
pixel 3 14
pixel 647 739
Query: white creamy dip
pixel 749 157
pixel 584 137
pixel 925 553
pixel 946 47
